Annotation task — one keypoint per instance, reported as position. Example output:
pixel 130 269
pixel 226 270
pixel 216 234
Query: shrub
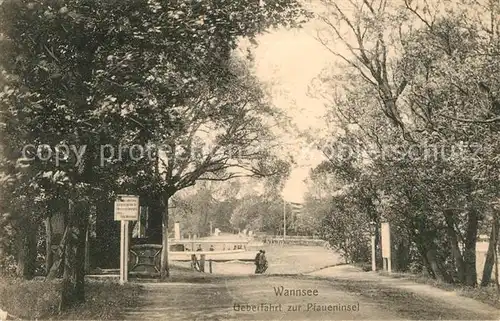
pixel 29 299
pixel 39 299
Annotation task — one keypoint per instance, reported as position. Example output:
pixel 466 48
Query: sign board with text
pixel 127 208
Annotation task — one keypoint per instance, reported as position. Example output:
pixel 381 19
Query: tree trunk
pixel 68 288
pixel 164 268
pixel 427 266
pixel 58 265
pixel 470 248
pixel 378 246
pixel 49 255
pixel 69 284
pixel 431 259
pixel 87 250
pixel 490 255
pixel 424 244
pixel 26 262
pixel 427 251
pixel 402 258
pixel 203 229
pixel 455 248
pixel 106 255
pixel 81 241
pixel 437 270
pixel 497 282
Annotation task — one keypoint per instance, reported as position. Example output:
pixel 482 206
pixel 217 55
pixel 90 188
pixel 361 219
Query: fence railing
pixel 296 241
pixel 292 237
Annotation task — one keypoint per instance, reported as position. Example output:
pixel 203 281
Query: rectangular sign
pixel 386 240
pixel 127 208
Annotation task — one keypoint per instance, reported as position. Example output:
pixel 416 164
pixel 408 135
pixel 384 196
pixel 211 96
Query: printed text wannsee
pixel 282 291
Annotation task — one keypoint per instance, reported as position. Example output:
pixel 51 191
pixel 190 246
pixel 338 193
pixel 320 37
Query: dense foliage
pixel 417 106
pixel 85 81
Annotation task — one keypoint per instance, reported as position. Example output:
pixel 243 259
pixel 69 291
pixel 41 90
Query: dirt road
pixel 234 299
pixel 255 298
pixel 338 293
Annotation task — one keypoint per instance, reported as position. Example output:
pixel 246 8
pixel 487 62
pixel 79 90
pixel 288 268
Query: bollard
pixel 210 265
pixel 194 262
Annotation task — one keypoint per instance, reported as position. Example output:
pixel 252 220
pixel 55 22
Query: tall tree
pixel 93 74
pixel 426 71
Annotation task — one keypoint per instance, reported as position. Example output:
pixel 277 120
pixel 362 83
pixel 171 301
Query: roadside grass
pixel 39 299
pixel 488 295
pixel 402 302
pixel 29 299
pixel 363 265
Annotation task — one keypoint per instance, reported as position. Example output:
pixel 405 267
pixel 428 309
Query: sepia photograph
pixel 213 160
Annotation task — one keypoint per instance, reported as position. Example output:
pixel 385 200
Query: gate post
pixel 202 263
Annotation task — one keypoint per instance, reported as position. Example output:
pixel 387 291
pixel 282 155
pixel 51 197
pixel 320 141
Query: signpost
pixel 126 209
pixel 386 246
pixel 372 238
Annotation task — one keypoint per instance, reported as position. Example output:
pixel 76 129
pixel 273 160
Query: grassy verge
pixel 404 303
pixel 363 265
pixel 488 295
pixel 38 299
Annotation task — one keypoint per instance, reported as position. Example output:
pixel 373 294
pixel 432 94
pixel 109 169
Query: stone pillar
pixel 177 231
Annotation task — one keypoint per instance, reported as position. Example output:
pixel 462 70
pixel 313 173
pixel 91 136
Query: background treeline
pixel 414 137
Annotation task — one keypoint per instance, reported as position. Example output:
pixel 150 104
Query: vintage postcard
pixel 249 160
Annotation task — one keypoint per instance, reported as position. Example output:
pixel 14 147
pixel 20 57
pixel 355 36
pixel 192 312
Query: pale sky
pixel 290 60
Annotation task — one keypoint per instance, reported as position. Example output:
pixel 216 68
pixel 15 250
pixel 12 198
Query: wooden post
pixel 202 263
pixel 126 208
pixel 127 244
pixel 124 243
pixel 122 252
pixel 194 262
pixel 87 252
pixel 210 265
pixel 374 264
pixel 49 254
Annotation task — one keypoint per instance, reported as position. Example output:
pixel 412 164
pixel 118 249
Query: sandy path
pixel 220 296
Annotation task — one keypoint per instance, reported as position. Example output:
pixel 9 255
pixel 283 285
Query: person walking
pixel 263 265
pixel 257 262
pixel 195 265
